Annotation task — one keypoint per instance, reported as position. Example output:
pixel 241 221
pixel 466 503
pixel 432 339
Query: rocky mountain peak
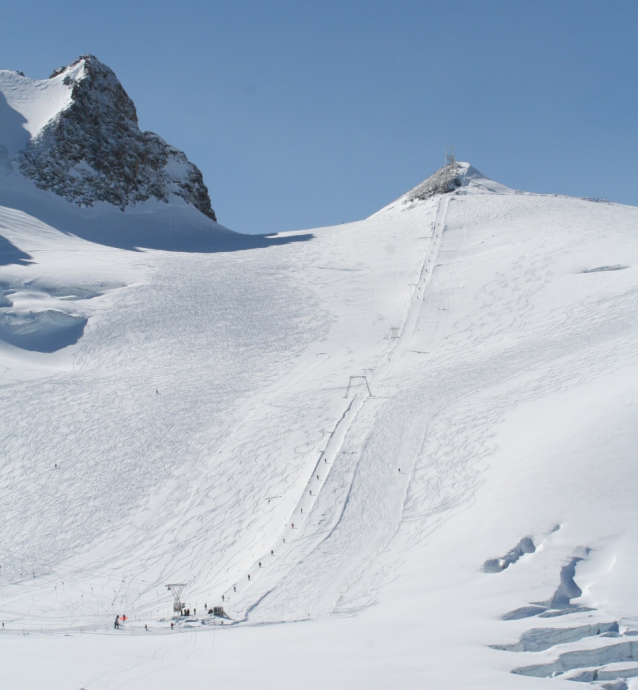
pixel 93 150
pixel 443 181
pixel 91 78
pixel 456 177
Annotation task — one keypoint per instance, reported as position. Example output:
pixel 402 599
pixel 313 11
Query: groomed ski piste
pixel 400 453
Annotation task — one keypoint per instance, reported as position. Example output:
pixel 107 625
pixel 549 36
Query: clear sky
pixel 302 114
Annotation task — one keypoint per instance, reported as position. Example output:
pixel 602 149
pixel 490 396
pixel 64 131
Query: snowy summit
pixel 76 134
pixel 410 441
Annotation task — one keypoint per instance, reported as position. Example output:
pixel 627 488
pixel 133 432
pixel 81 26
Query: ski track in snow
pixel 206 412
pixel 159 433
pixel 85 445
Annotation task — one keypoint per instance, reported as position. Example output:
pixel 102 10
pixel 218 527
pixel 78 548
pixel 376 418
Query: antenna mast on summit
pixel 450 158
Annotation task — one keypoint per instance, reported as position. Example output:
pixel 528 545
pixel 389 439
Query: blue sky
pixel 302 114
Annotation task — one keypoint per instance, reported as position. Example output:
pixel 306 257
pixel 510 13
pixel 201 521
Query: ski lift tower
pixel 450 158
pixel 353 382
pixel 177 590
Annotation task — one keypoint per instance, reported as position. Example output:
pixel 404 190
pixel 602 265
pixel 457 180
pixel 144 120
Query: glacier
pixel 328 433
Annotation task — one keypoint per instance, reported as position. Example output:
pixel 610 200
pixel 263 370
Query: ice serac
pixel 93 150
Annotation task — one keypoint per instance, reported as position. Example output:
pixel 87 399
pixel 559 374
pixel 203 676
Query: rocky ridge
pixel 443 181
pixel 93 150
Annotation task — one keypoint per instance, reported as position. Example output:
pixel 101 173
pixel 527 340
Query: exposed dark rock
pixel 93 150
pixel 444 180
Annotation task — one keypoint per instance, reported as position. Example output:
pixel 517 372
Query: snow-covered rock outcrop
pixel 452 177
pixel 458 177
pixel 77 134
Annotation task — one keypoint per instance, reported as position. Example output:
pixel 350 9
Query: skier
pixel 249 577
pixel 234 588
pixel 146 627
pixel 223 598
pixel 171 625
pixel 271 552
pixel 260 564
pixel 116 625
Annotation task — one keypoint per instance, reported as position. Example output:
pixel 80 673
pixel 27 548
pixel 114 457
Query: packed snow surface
pixel 410 439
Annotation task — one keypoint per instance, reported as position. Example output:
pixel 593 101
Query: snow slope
pixel 464 512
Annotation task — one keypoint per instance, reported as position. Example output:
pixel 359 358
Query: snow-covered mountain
pixel 76 134
pixel 409 440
